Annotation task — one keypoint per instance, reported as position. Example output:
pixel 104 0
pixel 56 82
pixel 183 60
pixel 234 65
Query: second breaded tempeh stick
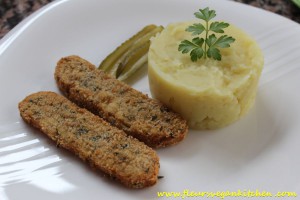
pixel 95 141
pixel 118 103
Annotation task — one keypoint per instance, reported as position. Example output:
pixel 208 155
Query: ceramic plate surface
pixel 259 152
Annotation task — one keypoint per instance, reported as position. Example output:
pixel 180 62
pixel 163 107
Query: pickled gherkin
pixel 130 55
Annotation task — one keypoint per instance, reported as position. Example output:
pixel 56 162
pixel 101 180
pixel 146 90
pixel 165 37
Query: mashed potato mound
pixel 208 93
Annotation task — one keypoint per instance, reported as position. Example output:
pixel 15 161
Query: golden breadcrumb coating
pixel 116 102
pixel 91 138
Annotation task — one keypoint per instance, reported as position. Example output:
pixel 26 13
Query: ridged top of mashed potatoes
pixel 239 62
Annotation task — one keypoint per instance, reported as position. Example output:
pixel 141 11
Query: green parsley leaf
pixel 211 40
pixel 224 41
pixel 196 29
pixel 218 27
pixel 210 44
pixel 205 14
pixel 194 46
pixel 186 46
pixel 214 53
pixel 196 54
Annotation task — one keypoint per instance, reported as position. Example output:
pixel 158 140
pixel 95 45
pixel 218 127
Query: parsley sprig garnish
pixel 211 42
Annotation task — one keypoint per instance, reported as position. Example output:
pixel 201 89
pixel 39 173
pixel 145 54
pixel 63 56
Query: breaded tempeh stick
pixel 95 141
pixel 119 104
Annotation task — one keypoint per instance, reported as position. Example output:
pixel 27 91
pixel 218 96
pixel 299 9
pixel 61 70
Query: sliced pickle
pixel 129 71
pixel 131 55
pixel 109 63
pixel 135 52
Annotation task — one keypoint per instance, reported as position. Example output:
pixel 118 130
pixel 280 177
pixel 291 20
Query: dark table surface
pixel 14 11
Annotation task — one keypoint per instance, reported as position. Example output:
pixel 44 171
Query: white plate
pixel 259 152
